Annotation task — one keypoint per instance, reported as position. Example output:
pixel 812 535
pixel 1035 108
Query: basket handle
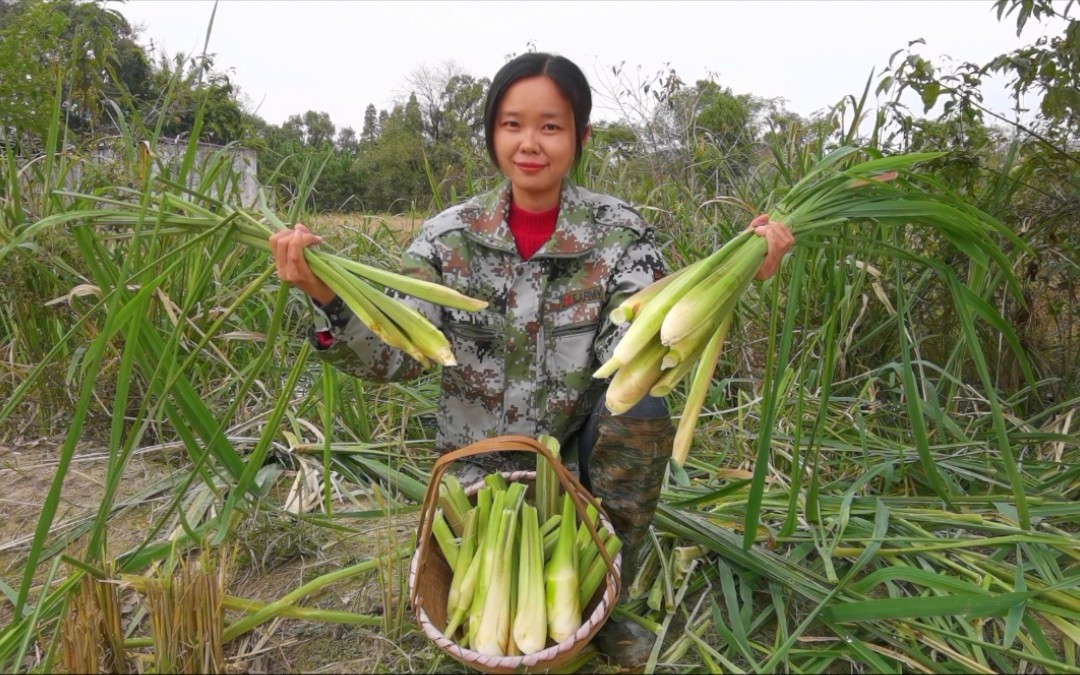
pixel 514 443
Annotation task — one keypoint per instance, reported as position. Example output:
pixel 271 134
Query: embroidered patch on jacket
pixel 594 294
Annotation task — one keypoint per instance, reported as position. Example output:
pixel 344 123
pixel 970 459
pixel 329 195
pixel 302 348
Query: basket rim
pixel 580 638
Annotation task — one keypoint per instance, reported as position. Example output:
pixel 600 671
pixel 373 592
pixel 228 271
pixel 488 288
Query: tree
pixel 1050 67
pixel 717 132
pixel 723 118
pixel 463 110
pixel 451 104
pixel 1026 172
pixel 29 66
pixel 393 166
pixel 347 142
pixel 92 50
pixel 371 125
pixel 413 119
pixel 427 84
pixel 198 86
pixel 616 138
pixel 91 35
pixel 313 129
pixel 319 130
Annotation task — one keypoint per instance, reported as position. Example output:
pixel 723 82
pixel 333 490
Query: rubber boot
pixel 625 470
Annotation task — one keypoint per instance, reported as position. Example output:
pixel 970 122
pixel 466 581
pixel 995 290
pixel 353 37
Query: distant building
pixel 242 184
pixel 226 173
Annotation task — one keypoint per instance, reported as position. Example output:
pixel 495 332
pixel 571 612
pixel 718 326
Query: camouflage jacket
pixel 525 362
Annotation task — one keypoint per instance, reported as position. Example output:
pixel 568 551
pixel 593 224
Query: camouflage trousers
pixel 622 462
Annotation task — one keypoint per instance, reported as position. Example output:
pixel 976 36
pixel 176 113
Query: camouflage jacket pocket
pixel 471 403
pixel 477 339
pixel 569 361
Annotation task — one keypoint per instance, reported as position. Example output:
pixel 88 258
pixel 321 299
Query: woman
pixel 552 260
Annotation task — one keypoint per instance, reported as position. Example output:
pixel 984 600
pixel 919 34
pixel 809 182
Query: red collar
pixel 531 229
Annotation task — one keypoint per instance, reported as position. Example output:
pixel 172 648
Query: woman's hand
pixel 287 247
pixel 779 239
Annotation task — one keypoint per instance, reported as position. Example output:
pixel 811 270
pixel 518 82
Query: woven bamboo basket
pixel 430 575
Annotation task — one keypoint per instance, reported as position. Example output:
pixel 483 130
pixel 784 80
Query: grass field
pixel 884 476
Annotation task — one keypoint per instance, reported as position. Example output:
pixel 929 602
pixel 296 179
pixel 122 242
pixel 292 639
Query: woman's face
pixel 534 141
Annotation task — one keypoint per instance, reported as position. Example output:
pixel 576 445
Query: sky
pixel 290 56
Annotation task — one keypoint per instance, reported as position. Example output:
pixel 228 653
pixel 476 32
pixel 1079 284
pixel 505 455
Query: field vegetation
pixel 885 475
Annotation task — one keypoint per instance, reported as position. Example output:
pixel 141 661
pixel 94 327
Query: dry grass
pixel 402 227
pixel 91 633
pixel 187 617
pixel 81 631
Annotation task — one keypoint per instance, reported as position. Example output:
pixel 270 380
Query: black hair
pixel 567 77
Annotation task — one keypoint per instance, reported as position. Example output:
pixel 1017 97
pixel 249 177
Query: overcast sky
pixel 298 55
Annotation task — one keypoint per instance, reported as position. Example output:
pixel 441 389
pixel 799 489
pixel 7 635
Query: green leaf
pixel 9 592
pixel 997 415
pixel 914 575
pixel 912 396
pixel 1016 614
pixel 969 605
pixel 929 95
pixel 738 633
pixel 678 474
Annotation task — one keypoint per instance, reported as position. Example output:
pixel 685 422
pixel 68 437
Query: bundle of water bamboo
pixel 357 284
pixel 682 320
pixel 522 572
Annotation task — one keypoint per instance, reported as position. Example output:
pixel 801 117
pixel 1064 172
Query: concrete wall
pixel 238 186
